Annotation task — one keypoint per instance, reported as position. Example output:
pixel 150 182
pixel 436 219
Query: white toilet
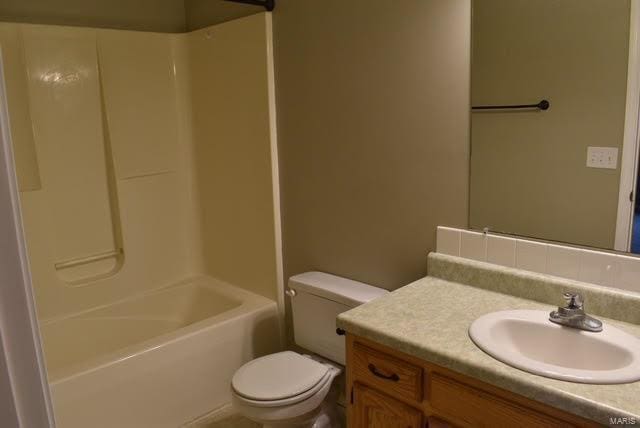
pixel 288 389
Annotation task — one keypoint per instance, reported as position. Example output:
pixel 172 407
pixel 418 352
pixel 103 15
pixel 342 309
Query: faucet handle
pixel 574 300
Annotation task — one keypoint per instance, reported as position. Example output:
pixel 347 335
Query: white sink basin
pixel 529 341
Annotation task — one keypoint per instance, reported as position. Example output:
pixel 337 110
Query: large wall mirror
pixel 555 91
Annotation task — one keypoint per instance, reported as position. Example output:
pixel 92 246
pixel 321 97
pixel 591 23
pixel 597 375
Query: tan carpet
pixel 234 421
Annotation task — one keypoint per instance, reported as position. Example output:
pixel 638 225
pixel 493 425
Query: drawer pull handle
pixel 373 369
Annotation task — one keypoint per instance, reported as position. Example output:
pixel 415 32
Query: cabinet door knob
pixel 373 369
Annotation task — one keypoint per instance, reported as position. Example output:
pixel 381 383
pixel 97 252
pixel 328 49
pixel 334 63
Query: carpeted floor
pixel 234 421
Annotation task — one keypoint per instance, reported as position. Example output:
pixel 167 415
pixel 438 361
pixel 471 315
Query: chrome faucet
pixel 573 315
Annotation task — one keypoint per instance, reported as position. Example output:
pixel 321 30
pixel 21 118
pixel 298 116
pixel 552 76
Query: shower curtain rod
pixel 267 4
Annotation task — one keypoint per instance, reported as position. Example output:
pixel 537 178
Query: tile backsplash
pixel 587 265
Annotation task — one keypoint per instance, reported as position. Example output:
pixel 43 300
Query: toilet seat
pixel 296 408
pixel 327 379
pixel 280 379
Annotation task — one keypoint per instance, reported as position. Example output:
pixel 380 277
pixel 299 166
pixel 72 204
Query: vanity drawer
pixel 392 375
pixel 478 408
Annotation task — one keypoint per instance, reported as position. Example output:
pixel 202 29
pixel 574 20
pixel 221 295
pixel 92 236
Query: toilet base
pixel 325 417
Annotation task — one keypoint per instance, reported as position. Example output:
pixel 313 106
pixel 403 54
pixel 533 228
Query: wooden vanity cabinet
pixel 389 389
pixel 377 410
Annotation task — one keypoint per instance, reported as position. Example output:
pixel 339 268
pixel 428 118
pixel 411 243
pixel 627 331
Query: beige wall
pixel 202 13
pixel 146 15
pixel 373 102
pixel 528 169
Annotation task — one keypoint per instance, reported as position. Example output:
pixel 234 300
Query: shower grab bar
pixel 84 260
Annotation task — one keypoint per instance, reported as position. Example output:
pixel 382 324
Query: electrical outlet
pixel 602 157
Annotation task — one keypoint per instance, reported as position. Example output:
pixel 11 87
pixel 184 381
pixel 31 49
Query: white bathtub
pixel 156 360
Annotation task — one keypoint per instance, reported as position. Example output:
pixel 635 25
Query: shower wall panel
pixel 229 75
pixel 143 159
pixel 109 215
pixel 142 119
pixel 64 95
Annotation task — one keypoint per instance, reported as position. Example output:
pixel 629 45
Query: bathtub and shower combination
pixel 150 213
pixel 158 358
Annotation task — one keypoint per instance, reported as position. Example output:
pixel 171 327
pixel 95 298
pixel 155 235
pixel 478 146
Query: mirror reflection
pixel 566 170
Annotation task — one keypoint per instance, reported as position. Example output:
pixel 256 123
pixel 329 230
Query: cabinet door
pixel 372 409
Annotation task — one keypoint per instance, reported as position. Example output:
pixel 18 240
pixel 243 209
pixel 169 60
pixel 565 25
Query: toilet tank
pixel 319 298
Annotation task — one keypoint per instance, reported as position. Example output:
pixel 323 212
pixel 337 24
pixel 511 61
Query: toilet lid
pixel 278 376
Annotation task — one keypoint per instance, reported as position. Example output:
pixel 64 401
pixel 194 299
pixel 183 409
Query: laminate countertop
pixel 429 319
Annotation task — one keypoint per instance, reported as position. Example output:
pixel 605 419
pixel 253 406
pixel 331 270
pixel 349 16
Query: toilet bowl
pixel 287 389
